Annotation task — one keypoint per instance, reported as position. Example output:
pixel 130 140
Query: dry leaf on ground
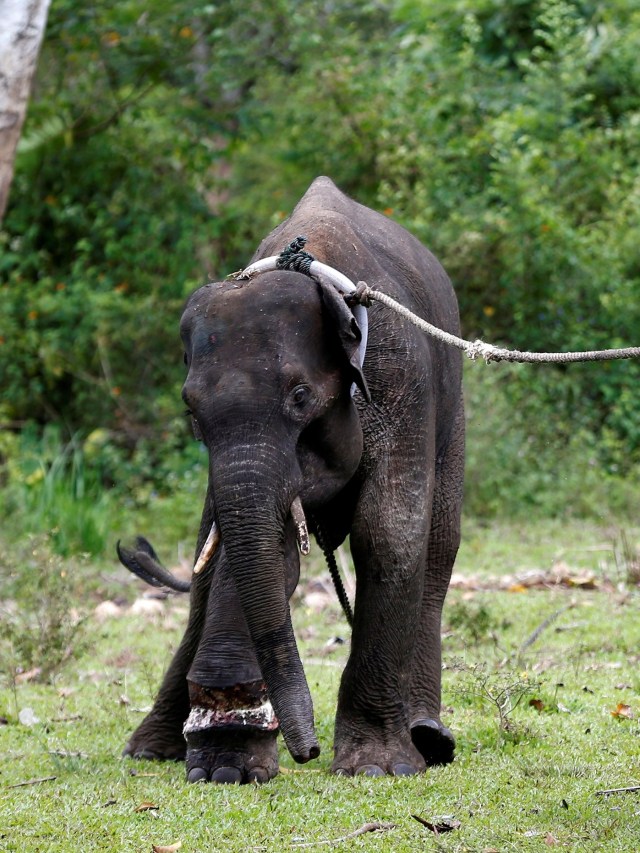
pixel 623 711
pixel 146 807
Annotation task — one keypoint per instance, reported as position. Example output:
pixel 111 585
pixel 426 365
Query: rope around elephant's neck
pixel 474 349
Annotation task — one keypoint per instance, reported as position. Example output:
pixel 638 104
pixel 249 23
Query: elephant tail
pixel 143 561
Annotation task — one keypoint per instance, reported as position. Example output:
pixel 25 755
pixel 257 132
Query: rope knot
pixel 360 296
pixel 293 258
pixel 480 349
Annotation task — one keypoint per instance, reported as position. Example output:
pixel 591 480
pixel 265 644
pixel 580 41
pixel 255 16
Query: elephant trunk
pixel 253 507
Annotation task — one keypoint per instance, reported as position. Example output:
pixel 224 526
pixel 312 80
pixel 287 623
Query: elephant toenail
pixel 434 741
pixel 370 770
pixel 403 770
pixel 257 774
pixel 197 774
pixel 227 776
pixel 341 771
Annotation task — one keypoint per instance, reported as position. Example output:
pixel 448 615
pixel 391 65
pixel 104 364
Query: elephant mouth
pixel 213 539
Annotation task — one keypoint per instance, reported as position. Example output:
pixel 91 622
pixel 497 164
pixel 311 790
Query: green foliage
pixel 523 459
pixel 50 488
pixel 475 622
pixel 501 690
pixel 163 143
pixel 517 165
pixel 103 235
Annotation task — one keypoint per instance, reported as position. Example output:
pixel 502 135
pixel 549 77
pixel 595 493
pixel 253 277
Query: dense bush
pixel 518 165
pixel 162 143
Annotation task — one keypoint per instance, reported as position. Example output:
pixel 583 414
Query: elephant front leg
pixel 231 734
pixel 389 544
pixel 159 736
pixel 231 731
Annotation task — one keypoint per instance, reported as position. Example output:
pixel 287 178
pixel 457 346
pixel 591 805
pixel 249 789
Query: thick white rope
pixel 324 273
pixel 489 352
pixel 360 296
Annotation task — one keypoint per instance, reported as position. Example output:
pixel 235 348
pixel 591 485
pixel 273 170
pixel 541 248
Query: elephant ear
pixel 348 332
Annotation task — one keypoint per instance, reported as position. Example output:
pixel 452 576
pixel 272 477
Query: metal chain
pixel 479 349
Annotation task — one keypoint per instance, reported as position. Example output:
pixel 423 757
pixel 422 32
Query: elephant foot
pixel 231 734
pixel 156 740
pixel 434 741
pixel 373 758
pixel 231 756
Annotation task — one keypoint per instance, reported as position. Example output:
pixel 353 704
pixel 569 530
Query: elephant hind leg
pixel 432 739
pixel 372 732
pixel 159 736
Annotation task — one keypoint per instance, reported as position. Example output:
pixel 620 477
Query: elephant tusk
pixel 302 534
pixel 208 550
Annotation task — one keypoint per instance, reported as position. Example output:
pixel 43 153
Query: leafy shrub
pixel 41 624
pixel 528 457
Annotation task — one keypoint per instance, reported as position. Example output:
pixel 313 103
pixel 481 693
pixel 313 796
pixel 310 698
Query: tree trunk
pixel 21 31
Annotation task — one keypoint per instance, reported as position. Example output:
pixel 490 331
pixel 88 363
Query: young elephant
pixel 279 395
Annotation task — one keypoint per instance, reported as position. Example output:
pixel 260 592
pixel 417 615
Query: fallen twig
pixel 61 753
pixel 32 782
pixel 630 790
pixel 366 827
pixel 541 627
pixel 72 718
pixel 445 824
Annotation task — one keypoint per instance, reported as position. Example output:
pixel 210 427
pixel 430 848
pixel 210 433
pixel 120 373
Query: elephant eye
pixel 300 395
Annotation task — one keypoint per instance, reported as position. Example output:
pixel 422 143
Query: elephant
pixel 300 421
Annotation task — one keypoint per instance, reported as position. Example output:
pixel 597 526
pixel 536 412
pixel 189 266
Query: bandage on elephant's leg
pixel 231 734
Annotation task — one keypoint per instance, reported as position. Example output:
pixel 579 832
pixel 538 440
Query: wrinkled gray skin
pixel 270 366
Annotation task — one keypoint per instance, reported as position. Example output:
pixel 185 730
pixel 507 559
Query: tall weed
pixel 50 489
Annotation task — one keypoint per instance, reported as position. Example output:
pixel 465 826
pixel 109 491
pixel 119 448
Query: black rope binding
pixel 293 258
pixel 335 574
pixel 360 296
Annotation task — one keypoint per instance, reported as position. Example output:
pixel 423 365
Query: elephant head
pixel 271 362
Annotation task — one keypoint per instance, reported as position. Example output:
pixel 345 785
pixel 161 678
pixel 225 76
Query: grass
pixel 543 721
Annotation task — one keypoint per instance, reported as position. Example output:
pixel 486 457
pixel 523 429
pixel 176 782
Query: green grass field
pixel 541 688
